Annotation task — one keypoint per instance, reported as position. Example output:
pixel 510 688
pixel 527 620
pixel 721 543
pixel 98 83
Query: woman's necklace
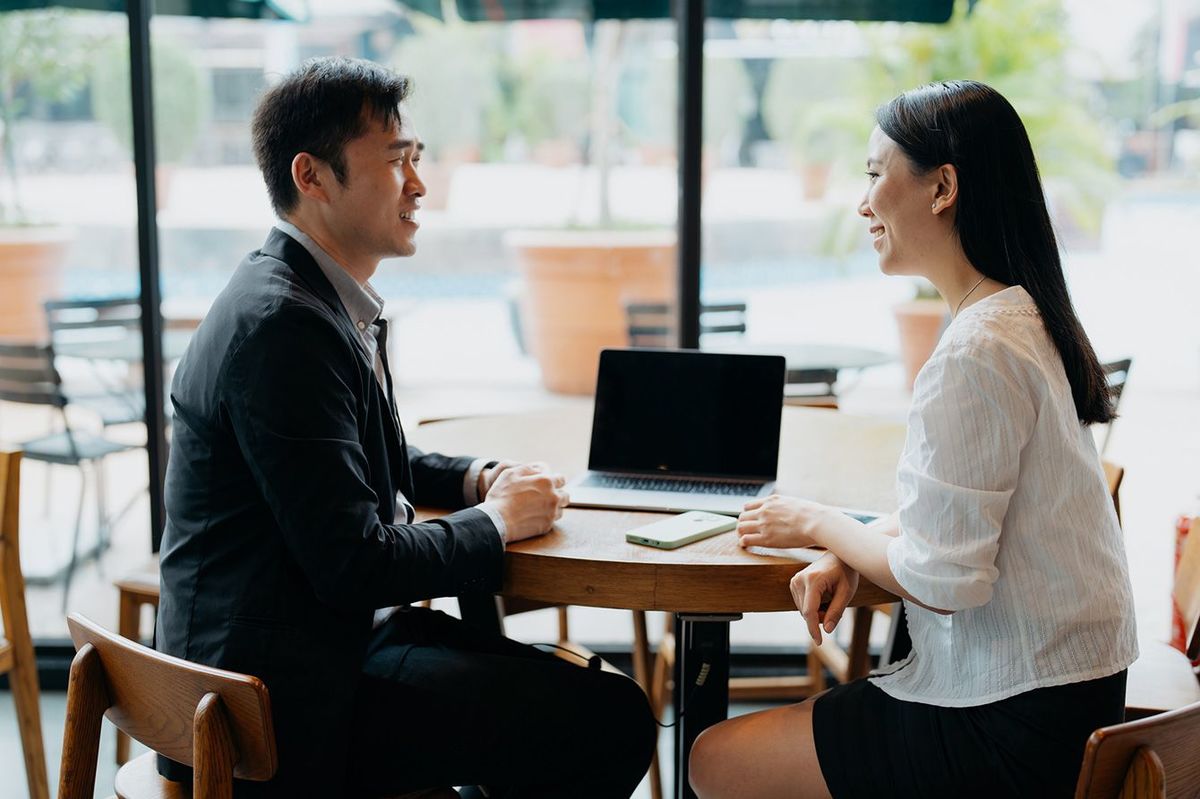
pixel 968 294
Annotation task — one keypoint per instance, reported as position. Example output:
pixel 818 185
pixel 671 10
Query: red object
pixel 1179 635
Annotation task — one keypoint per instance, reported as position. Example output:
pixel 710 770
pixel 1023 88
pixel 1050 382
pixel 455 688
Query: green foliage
pixel 1018 48
pixel 41 52
pixel 182 96
pixel 648 106
pixel 471 92
pixel 550 98
pixel 817 106
pixel 456 92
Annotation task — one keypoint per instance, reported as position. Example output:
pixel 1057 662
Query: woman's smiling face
pixel 901 208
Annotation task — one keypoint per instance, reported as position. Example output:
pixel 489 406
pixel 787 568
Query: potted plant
pixel 182 100
pixel 40 62
pixel 576 282
pixel 812 107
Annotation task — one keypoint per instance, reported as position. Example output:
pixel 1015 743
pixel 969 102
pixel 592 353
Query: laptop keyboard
pixel 678 485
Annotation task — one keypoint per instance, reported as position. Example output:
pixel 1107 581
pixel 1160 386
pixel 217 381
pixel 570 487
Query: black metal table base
pixel 701 684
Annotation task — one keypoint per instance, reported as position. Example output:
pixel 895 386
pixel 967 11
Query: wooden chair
pixel 218 722
pixel 1152 758
pixel 1162 678
pixel 16 646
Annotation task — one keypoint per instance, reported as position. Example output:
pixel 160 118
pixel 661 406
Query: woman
pixel 1005 550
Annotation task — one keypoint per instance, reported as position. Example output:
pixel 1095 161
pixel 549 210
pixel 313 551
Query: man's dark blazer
pixel 281 496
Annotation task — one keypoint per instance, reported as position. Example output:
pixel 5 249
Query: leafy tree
pixel 182 96
pixel 41 56
pixel 648 103
pixel 1017 47
pixel 455 69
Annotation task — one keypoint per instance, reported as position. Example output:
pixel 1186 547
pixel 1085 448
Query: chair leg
pixel 564 631
pixel 859 662
pixel 23 680
pixel 103 533
pixel 75 541
pixel 47 478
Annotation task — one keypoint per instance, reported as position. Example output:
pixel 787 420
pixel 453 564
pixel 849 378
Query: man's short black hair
pixel 318 109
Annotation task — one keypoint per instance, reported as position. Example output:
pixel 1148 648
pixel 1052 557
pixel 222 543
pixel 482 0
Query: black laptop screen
pixel 688 413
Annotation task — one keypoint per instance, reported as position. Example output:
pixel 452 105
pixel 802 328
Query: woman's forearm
pixel 864 549
pixel 888 525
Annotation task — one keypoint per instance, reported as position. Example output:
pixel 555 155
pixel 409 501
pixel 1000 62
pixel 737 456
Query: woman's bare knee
pixel 765 754
pixel 706 768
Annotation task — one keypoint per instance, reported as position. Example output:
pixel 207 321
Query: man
pixel 290 487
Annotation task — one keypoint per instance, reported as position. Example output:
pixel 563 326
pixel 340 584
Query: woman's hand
pixel 825 580
pixel 778 521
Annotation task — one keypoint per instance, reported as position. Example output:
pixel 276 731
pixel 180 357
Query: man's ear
pixel 945 188
pixel 311 176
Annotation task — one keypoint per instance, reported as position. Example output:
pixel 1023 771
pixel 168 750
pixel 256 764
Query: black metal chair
pixel 652 324
pixel 91 322
pixel 28 376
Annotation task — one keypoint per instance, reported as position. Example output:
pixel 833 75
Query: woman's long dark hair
pixel 1001 218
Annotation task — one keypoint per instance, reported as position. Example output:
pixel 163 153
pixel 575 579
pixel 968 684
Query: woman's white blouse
pixel 1005 520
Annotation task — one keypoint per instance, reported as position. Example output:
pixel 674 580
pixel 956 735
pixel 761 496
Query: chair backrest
pixel 1151 757
pixel 1187 588
pixel 1116 373
pixel 652 324
pixel 218 722
pixel 114 313
pixel 27 375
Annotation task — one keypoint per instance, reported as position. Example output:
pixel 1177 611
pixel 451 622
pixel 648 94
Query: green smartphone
pixel 686 528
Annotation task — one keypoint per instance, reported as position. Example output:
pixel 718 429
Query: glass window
pixel 550 206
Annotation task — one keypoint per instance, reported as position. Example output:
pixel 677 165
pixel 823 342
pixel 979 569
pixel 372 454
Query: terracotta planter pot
pixel 575 288
pixel 920 323
pixel 814 180
pixel 31 261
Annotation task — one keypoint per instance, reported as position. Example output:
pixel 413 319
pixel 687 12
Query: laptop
pixel 680 430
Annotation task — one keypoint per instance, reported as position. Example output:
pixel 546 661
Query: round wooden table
pixel 825 456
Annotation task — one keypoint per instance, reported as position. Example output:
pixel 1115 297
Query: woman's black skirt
pixel 1030 745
